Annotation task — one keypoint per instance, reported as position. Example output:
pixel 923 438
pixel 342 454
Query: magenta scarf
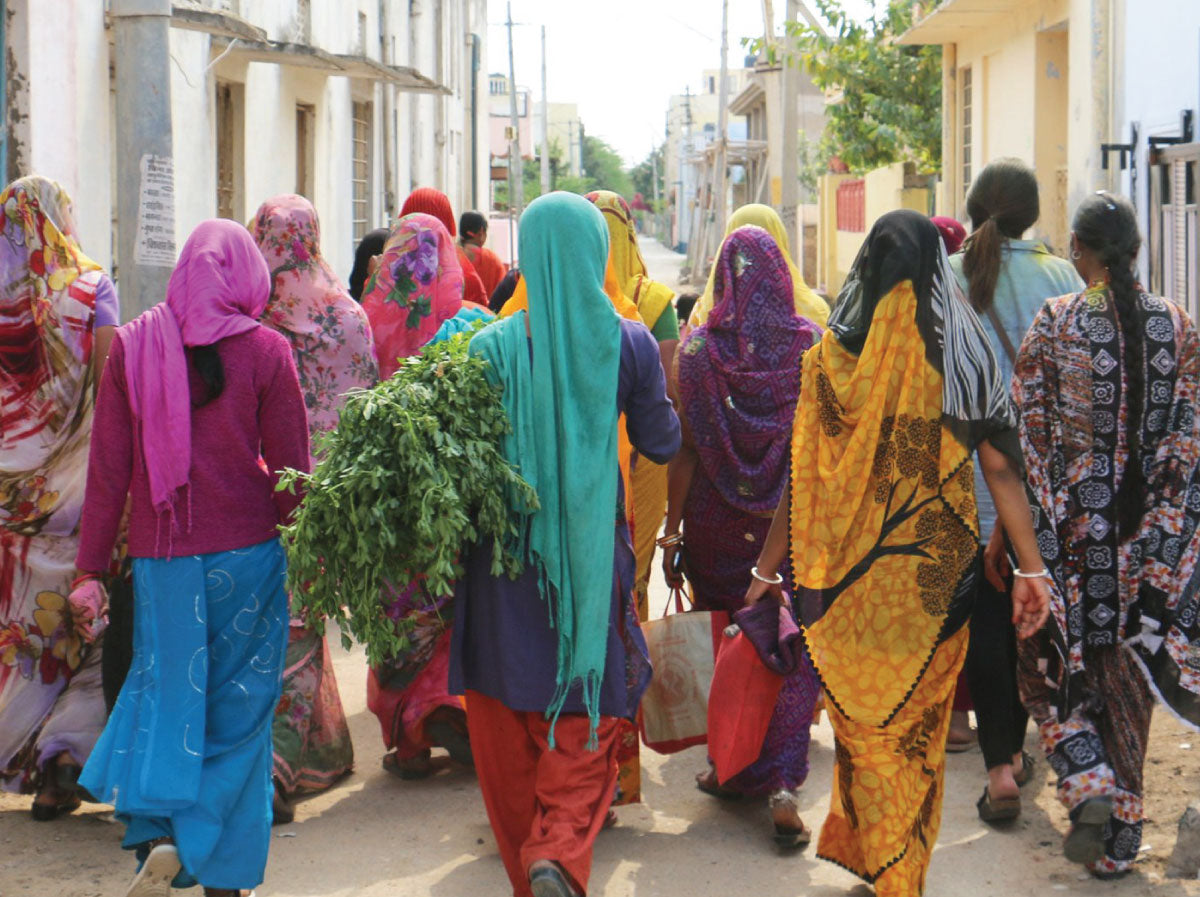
pixel 219 288
pixel 739 373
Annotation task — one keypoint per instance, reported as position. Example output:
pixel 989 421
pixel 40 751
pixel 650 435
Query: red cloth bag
pixel 740 704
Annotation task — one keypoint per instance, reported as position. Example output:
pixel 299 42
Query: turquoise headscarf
pixel 562 405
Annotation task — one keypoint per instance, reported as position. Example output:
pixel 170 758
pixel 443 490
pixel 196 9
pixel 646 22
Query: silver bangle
pixel 1042 574
pixel 777 581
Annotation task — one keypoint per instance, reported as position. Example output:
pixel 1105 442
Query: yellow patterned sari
pixel 883 521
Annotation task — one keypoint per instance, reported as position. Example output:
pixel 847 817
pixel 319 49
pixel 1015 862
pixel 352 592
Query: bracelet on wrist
pixel 669 541
pixel 1041 574
pixel 776 581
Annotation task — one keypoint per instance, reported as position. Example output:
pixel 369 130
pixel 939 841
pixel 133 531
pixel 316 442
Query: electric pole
pixel 144 151
pixel 719 174
pixel 789 173
pixel 545 122
pixel 516 173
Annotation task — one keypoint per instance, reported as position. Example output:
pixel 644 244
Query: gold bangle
pixel 668 541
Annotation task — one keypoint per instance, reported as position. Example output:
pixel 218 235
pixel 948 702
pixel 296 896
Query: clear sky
pixel 621 60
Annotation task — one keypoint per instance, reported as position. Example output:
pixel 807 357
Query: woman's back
pixel 231 502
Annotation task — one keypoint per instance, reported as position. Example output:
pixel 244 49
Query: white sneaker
pixel 155 877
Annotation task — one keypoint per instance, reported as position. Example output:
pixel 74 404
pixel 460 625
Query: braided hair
pixel 1107 225
pixel 1003 204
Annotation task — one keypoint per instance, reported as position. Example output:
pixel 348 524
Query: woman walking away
pixel 368 249
pixel 1107 384
pixel 414 298
pixel 472 235
pixel 738 384
pixel 334 353
pixel 58 310
pixel 808 304
pixel 428 201
pixel 898 393
pixel 1006 280
pixel 197 392
pixel 417 286
pixel 550 662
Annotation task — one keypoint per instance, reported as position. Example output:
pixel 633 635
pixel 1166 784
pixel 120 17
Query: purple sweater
pixel 233 503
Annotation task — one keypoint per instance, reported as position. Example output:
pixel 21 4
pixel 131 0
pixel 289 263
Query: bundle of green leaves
pixel 412 475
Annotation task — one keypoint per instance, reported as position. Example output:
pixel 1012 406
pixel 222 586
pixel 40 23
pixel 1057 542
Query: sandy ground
pixel 375 836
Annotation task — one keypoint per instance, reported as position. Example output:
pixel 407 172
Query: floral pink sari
pixel 417 286
pixel 331 341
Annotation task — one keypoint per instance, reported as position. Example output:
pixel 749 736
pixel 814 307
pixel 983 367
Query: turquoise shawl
pixel 562 405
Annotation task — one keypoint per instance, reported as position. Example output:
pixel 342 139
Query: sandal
pixel 549 881
pixel 1084 842
pixel 788 837
pixel 409 768
pixel 448 729
pixel 49 812
pixel 1026 773
pixel 157 872
pixel 997 809
pixel 707 782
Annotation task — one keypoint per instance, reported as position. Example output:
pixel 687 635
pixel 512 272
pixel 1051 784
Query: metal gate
pixel 1174 238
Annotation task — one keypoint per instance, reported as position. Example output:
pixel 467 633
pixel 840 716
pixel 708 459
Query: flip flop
pixel 155 877
pixel 548 881
pixel 392 764
pixel 1084 842
pixel 998 809
pixel 50 812
pixel 789 838
pixel 445 734
pixel 1027 764
pixel 961 747
pixel 706 784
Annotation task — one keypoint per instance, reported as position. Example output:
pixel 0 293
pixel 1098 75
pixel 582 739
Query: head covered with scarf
pixel 46 326
pixel 905 245
pixel 329 333
pixel 417 286
pixel 564 431
pixel 650 297
pixel 219 288
pixel 739 374
pixel 807 303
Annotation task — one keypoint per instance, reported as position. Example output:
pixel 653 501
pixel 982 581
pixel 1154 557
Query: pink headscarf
pixel 329 332
pixel 418 285
pixel 219 288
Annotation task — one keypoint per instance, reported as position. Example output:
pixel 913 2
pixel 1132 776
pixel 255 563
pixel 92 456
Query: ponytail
pixel 1003 204
pixel 981 264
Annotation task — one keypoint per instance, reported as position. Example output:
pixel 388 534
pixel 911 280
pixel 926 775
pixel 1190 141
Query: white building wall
pixel 62 51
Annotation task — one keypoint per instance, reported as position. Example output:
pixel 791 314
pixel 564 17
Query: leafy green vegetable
pixel 411 476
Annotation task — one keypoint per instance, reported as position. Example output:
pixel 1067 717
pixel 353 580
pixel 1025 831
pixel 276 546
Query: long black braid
pixel 1107 225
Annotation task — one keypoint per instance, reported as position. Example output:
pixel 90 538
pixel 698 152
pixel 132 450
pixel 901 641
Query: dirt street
pixel 375 836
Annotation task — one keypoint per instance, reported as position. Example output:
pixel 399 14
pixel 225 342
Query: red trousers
pixel 543 804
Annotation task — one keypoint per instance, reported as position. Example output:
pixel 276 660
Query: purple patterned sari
pixel 739 379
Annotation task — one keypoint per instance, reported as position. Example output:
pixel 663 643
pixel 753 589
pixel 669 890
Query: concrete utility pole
pixel 516 172
pixel 145 160
pixel 719 175
pixel 789 173
pixel 389 101
pixel 545 122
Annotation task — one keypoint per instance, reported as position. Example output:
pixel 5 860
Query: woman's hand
pixel 1031 605
pixel 89 603
pixel 672 565
pixel 759 590
pixel 995 560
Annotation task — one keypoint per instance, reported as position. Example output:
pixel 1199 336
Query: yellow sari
pixel 808 304
pixel 883 520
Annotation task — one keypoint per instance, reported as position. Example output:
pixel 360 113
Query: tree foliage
pixel 890 108
pixel 602 166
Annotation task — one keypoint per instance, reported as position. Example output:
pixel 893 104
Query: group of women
pixel 841 469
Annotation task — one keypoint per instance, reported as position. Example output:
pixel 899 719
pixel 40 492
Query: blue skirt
pixel 186 753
